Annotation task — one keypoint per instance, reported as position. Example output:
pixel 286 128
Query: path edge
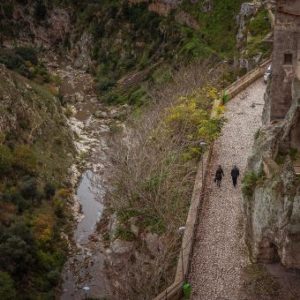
pixel 175 290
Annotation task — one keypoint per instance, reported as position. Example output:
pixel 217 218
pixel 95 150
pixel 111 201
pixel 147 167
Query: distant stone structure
pixel 286 57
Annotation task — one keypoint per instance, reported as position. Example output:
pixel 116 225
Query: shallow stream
pixel 84 272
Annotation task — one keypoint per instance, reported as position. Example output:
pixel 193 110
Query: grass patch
pixel 124 234
pixel 249 183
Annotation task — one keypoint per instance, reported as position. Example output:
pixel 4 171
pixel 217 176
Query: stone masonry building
pixel 286 57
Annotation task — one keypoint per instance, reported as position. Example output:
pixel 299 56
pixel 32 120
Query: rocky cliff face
pixel 254 32
pixel 272 192
pixel 32 22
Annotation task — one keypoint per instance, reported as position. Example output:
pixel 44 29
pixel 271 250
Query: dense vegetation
pixel 33 194
pixel 259 27
pixel 154 180
pixel 133 48
pixel 24 60
pixel 128 38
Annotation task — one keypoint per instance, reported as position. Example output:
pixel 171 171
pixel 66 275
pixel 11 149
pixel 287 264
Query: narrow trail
pixel 219 253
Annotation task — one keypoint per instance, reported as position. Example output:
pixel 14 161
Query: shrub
pixel 5 160
pixel 25 159
pixel 53 277
pixel 59 207
pixel 138 97
pixel 40 10
pixel 105 84
pixel 49 190
pixel 249 183
pixel 225 98
pixel 16 197
pixel 28 54
pixel 28 188
pixel 21 60
pixel 294 153
pixel 7 213
pixel 257 133
pixel 43 228
pixel 7 289
pixel 124 234
pixel 10 59
pixel 192 116
pixel 59 201
pixel 16 255
pixel 8 9
pixel 260 24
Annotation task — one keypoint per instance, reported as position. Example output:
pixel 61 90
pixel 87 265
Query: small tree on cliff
pixel 40 10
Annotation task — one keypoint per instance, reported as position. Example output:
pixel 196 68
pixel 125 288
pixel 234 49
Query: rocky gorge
pixel 103 65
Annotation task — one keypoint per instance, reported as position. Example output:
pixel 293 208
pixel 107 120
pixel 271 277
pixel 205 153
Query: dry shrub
pixel 154 171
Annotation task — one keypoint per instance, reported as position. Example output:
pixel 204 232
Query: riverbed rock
pixel 93 238
pixel 101 114
pixel 153 243
pixel 133 227
pixel 119 246
pixel 113 225
pixel 81 51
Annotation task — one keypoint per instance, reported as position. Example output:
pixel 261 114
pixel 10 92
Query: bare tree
pixel 151 179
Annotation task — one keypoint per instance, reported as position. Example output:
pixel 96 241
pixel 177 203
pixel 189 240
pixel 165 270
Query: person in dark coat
pixel 219 175
pixel 235 173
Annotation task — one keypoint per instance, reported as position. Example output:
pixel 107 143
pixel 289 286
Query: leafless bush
pixel 152 182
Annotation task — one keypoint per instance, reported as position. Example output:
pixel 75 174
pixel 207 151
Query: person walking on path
pixel 235 173
pixel 219 175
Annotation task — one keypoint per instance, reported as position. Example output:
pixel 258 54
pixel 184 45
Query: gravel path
pixel 218 251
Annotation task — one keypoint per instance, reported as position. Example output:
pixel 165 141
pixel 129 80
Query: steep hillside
pixel 36 151
pixel 131 45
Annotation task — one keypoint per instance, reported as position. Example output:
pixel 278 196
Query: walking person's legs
pixel 234 181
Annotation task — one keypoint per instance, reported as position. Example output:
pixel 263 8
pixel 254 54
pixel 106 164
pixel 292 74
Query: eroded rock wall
pixel 271 200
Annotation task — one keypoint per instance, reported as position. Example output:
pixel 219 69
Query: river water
pixel 85 269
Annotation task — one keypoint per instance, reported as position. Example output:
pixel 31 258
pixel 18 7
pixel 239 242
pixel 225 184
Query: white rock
pixel 119 246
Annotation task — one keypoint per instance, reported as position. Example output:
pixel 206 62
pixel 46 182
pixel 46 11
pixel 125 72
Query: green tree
pixel 7 289
pixel 40 10
pixel 25 159
pixel 5 159
pixel 16 256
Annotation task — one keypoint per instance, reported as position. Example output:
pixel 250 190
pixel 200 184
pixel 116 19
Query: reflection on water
pixel 86 267
pixel 90 197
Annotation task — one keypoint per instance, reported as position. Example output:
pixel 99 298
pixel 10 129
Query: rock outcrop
pixel 271 199
pixel 252 47
pixel 23 27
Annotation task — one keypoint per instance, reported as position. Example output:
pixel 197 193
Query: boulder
pixel 119 246
pixel 153 243
pixel 101 114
